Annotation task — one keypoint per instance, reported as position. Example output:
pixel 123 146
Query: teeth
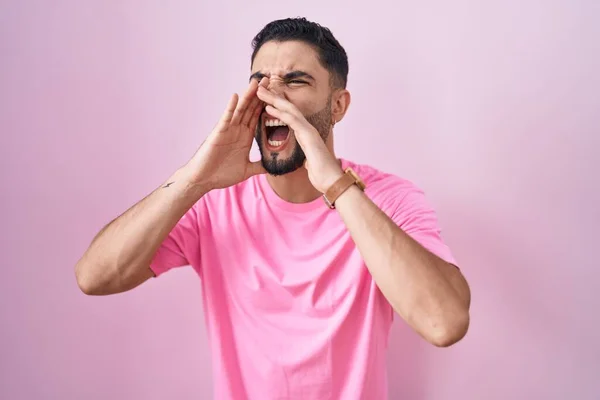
pixel 275 143
pixel 275 122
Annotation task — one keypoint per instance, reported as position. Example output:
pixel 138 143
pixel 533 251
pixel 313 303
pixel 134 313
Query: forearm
pixel 423 289
pixel 119 256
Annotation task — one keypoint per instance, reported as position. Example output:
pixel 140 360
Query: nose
pixel 276 85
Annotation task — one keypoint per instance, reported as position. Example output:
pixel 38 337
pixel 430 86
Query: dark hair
pixel 331 53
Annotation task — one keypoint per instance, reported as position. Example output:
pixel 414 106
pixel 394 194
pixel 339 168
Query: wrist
pixel 348 181
pixel 189 184
pixel 350 195
pixel 330 179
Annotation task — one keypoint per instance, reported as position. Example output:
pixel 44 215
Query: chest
pixel 305 265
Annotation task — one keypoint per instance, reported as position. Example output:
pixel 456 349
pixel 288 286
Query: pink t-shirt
pixel 291 309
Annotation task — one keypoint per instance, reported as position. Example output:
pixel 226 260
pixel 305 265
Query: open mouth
pixel 277 133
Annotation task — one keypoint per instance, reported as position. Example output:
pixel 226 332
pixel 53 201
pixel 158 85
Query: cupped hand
pixel 323 168
pixel 223 159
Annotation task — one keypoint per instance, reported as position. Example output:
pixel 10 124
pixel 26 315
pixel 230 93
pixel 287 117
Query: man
pixel 304 258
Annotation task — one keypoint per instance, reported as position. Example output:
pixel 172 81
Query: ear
pixel 340 101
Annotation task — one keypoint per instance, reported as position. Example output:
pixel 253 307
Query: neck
pixel 295 187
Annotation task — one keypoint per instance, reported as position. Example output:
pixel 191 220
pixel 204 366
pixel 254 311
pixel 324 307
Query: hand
pixel 223 159
pixel 323 168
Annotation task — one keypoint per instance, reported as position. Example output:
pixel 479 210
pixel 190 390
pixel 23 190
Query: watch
pixel 341 185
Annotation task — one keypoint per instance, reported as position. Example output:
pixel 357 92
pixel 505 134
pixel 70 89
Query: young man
pixel 304 257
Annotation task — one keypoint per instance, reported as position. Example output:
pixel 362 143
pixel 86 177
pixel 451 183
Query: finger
pixel 256 106
pixel 301 127
pixel 255 117
pixel 290 120
pixel 275 100
pixel 248 118
pixel 264 82
pixel 249 113
pixel 228 114
pixel 244 103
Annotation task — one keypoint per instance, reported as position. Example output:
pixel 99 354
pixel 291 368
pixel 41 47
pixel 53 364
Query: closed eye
pixel 298 82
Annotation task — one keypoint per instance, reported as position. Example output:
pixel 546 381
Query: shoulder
pixel 406 204
pixel 384 188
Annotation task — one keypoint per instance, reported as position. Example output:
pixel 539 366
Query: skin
pixel 431 295
pixel 309 94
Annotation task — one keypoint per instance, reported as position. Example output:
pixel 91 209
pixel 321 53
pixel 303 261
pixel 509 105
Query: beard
pixel 276 166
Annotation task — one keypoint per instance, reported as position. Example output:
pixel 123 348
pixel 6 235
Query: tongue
pixel 280 133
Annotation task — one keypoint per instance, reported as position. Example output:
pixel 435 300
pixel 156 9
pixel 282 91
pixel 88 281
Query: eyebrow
pixel 287 77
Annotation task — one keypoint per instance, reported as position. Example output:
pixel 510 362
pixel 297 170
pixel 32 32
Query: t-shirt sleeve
pixel 412 212
pixel 181 247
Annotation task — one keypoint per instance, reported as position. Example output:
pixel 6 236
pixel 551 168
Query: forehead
pixel 278 58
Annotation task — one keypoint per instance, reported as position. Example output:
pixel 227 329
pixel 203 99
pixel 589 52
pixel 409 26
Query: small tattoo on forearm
pixel 168 184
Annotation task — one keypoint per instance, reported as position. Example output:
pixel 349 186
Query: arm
pixel 119 257
pixel 430 294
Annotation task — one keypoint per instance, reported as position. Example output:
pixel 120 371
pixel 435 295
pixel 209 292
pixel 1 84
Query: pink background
pixel 491 106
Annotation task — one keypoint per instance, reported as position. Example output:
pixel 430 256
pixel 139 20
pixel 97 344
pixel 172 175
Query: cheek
pixel 306 104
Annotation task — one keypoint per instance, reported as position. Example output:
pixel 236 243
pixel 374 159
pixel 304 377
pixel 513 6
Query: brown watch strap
pixel 339 187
